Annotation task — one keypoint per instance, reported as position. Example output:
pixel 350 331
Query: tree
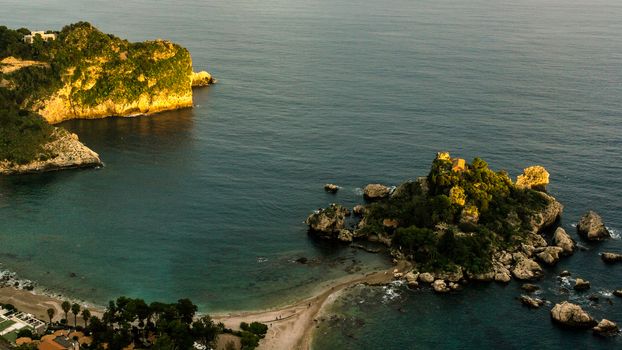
pixel 51 312
pixel 66 307
pixel 204 330
pixel 75 309
pixel 86 315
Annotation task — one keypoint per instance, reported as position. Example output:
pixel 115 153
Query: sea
pixel 208 203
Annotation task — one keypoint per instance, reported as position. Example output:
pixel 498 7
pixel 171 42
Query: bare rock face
pixel 530 302
pixel 581 284
pixel 563 240
pixel 591 227
pixel 571 315
pixel 611 258
pixel 550 255
pixel 440 286
pixel 533 177
pixel 527 269
pixel 68 152
pixel 376 192
pixel 606 328
pixel 202 78
pixel 502 274
pixel 548 215
pixel 327 223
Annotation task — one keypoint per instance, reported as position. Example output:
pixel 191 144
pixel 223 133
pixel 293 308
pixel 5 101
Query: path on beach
pixel 291 327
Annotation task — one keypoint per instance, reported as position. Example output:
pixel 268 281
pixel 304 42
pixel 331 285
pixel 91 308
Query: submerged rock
pixel 530 288
pixel 592 228
pixel 611 258
pixel 376 192
pixel 606 328
pixel 571 315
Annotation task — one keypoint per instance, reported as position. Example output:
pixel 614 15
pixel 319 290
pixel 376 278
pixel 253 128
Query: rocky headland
pixel 85 74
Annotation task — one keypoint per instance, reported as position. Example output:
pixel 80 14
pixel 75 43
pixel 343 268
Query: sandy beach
pixel 289 327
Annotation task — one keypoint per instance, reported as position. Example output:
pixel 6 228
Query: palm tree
pixel 66 307
pixel 75 309
pixel 51 312
pixel 86 315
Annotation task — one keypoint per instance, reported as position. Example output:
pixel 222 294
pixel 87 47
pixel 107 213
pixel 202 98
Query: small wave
pixel 615 234
pixel 391 291
pixel 574 225
pixel 358 191
pixel 261 259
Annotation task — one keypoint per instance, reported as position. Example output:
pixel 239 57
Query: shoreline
pixel 289 327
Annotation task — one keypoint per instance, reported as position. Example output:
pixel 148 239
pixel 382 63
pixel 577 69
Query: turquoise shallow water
pixel 191 203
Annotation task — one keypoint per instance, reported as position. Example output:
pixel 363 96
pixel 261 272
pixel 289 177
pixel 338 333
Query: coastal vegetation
pixel 455 219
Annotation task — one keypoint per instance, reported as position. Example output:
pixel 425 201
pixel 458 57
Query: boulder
pixel 563 240
pixel 201 78
pixel 533 177
pixel 529 288
pixel 606 328
pixel 345 235
pixel 571 315
pixel 327 223
pixel 611 258
pixel 550 255
pixel 358 210
pixel 390 223
pixel 440 286
pixel 564 273
pixel 527 269
pixel 332 188
pixel 592 228
pixel 411 278
pixel 426 277
pixel 374 192
pixel 581 284
pixel 530 302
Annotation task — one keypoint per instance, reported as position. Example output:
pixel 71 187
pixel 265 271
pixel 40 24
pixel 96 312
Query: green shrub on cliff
pixel 23 134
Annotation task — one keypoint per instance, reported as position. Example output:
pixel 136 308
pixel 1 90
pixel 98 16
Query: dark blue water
pixel 192 203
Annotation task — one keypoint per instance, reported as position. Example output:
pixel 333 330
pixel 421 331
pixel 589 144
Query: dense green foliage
pixel 22 133
pixel 128 321
pixel 455 217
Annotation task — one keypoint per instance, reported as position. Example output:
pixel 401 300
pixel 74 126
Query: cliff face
pixel 101 75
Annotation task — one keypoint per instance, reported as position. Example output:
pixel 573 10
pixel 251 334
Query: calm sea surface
pixel 208 203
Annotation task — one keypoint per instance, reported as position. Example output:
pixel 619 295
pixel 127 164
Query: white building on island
pixel 31 38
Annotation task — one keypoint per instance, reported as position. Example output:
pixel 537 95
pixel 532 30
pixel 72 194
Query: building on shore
pixel 31 37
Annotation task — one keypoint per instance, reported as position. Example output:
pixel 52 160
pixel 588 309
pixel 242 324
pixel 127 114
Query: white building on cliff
pixel 31 38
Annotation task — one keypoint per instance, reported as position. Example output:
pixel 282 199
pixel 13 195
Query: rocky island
pixel 81 72
pixel 463 222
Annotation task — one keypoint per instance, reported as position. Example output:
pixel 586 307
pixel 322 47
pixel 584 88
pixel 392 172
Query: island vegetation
pixel 461 218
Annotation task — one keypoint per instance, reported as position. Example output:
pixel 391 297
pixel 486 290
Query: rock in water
pixel 611 258
pixel 527 269
pixel 201 78
pixel 563 240
pixel 550 255
pixel 530 302
pixel 529 288
pixel 374 192
pixel 581 285
pixel 440 286
pixel 533 177
pixel 358 210
pixel 591 227
pixel 606 328
pixel 571 315
pixel 618 293
pixel 332 188
pixel 328 222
